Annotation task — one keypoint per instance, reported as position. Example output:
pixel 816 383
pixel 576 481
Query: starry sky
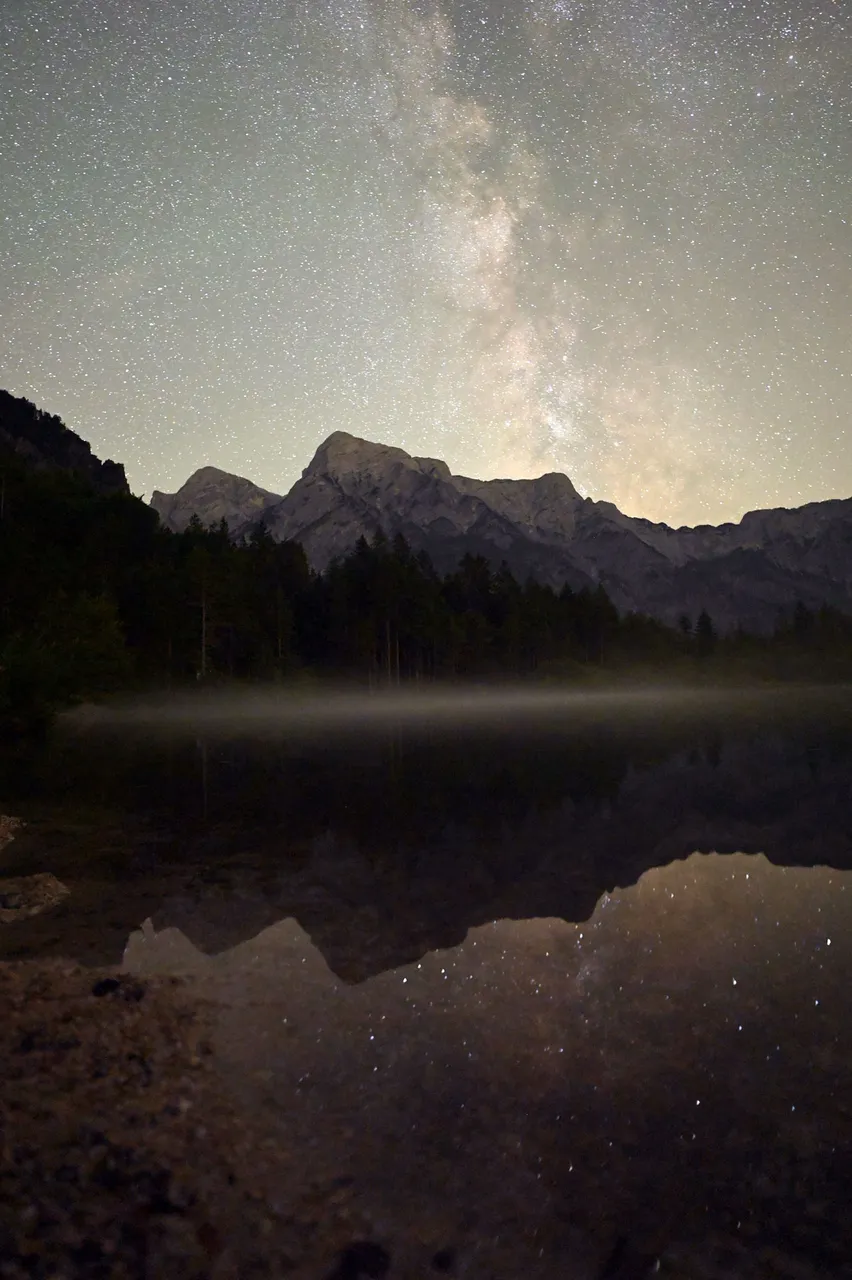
pixel 606 237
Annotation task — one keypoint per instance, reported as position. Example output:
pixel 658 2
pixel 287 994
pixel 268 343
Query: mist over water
pixel 464 707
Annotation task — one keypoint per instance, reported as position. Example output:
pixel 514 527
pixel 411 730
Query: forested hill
pixel 44 442
pixel 95 595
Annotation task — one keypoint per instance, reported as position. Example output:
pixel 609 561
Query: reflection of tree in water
pixel 398 790
pixel 385 847
pixel 372 791
pixel 483 787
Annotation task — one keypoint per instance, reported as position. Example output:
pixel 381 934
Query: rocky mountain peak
pixel 557 482
pixel 212 475
pixel 213 495
pixel 342 456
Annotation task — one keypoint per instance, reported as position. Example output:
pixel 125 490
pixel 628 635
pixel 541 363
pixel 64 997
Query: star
pixel 553 235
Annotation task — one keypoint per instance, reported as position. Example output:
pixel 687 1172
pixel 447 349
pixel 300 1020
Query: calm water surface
pixel 529 979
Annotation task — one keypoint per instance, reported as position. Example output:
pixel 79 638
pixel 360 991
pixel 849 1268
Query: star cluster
pixel 606 238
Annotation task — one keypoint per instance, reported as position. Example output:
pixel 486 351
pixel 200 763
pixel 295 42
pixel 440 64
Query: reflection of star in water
pixel 651 1065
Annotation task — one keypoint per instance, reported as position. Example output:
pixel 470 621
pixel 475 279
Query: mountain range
pixel 743 573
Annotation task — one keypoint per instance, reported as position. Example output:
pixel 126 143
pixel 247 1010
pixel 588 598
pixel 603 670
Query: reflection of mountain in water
pixel 370 904
pixel 386 851
pixel 675 1068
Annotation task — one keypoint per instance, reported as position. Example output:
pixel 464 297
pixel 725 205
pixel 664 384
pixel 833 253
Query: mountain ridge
pixel 743 572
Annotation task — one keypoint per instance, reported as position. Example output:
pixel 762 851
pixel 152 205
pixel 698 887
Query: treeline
pixel 96 596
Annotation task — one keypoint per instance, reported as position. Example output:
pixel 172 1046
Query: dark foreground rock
pixel 8 827
pixel 25 896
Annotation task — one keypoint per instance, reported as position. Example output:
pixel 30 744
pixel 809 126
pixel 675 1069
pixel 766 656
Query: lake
pixel 553 984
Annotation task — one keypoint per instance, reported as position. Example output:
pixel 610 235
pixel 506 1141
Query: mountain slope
pixel 44 442
pixel 213 495
pixel 742 573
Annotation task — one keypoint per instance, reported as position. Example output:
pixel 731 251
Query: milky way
pixel 601 237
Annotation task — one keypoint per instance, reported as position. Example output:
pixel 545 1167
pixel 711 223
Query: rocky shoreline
pixel 120 1156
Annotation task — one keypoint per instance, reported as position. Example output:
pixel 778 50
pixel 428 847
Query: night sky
pixel 606 237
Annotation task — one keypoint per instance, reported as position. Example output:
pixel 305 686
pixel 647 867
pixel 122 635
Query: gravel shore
pixel 119 1154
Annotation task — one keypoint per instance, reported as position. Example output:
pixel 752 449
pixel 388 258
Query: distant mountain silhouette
pixel 743 573
pixel 43 441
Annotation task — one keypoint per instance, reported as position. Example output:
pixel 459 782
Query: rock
pixel 8 827
pixel 25 896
